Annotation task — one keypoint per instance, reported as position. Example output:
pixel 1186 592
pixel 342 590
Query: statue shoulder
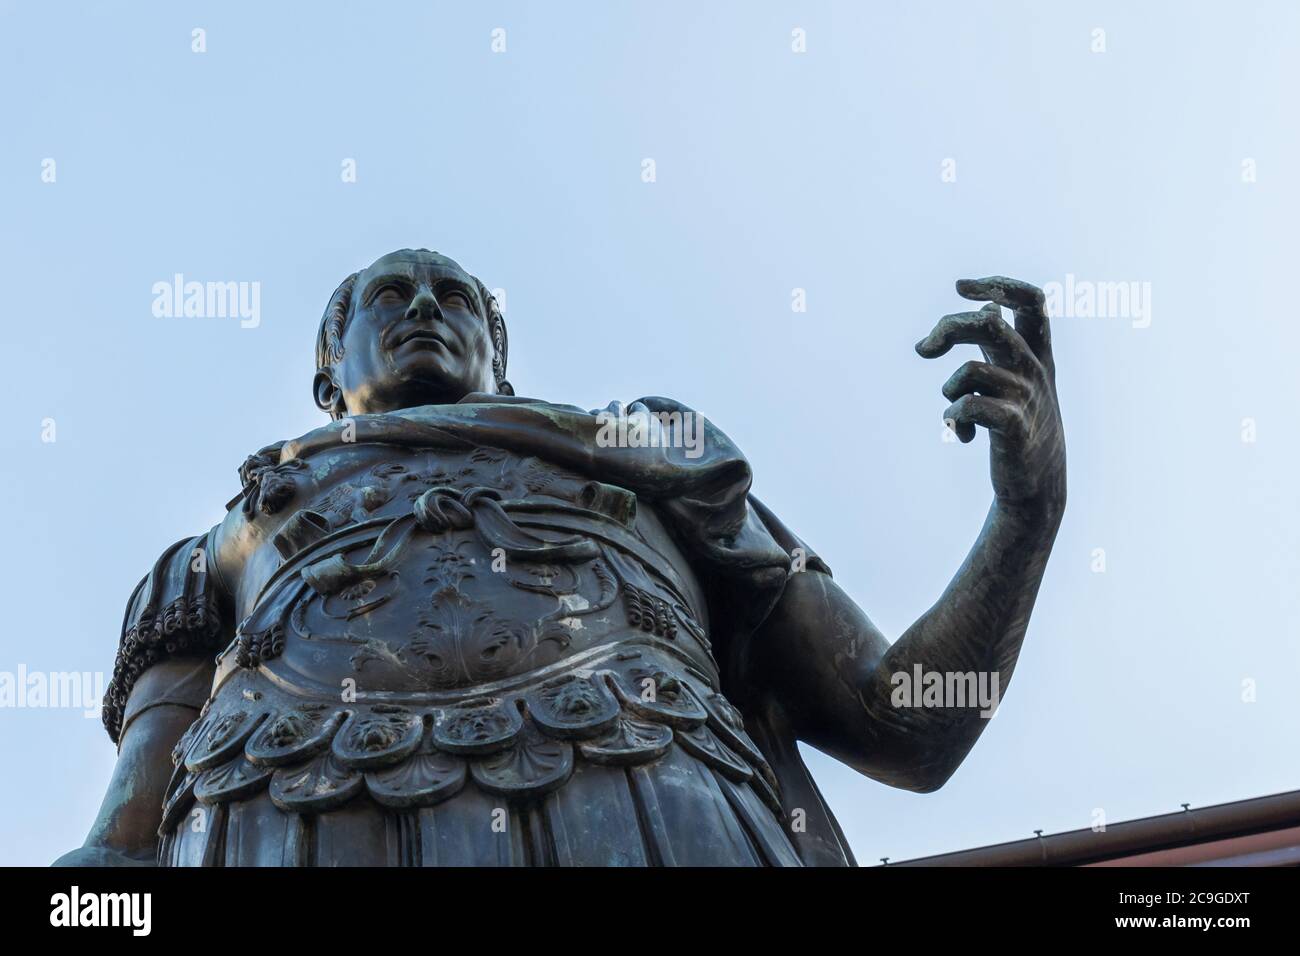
pixel 181 608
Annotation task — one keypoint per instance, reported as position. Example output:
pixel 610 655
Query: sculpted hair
pixel 329 338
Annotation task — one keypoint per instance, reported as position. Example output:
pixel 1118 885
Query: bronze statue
pixel 455 626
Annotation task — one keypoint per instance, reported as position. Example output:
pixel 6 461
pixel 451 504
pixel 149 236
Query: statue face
pixel 416 336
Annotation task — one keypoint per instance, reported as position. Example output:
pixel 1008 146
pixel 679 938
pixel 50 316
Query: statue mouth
pixel 427 337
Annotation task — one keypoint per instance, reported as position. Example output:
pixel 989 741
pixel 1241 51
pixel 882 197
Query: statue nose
pixel 423 306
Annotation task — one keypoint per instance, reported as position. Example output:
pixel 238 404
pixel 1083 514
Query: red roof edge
pixel 1146 835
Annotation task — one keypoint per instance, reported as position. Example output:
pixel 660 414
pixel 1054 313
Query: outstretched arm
pixel 835 677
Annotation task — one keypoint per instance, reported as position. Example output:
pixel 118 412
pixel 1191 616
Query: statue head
pixel 412 328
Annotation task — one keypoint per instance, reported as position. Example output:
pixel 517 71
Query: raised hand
pixel 1012 392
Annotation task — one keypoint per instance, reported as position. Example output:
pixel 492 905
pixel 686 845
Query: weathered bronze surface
pixel 455 626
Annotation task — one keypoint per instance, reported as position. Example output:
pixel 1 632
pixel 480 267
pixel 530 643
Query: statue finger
pixel 1027 303
pixel 1001 343
pixel 995 414
pixel 965 431
pixel 987 380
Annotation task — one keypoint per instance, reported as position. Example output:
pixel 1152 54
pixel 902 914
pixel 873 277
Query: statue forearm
pixel 970 638
pixel 833 673
pixel 980 621
pixel 163 705
pixel 132 809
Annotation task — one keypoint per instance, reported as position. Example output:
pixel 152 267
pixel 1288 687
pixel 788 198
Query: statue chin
pixel 418 387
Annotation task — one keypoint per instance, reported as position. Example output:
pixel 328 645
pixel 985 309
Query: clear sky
pixel 910 145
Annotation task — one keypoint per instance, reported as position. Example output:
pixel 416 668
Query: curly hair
pixel 329 338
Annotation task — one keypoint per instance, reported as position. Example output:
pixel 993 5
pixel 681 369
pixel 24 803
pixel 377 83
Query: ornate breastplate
pixel 398 585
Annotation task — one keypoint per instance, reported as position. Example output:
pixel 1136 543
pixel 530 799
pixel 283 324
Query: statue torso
pixel 428 634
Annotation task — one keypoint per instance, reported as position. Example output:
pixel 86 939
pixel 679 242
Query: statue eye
pixel 455 299
pixel 389 295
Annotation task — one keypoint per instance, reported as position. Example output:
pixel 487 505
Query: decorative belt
pixel 623 707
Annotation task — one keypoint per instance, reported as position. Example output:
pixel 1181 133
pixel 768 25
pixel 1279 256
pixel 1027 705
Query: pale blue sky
pixel 775 170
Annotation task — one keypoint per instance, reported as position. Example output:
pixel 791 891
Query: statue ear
pixel 329 398
pixel 500 349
